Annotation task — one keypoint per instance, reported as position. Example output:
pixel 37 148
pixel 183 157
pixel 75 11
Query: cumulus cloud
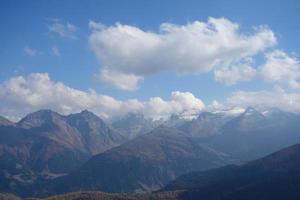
pixel 277 98
pixel 64 30
pixel 127 82
pixel 192 48
pixel 229 75
pixel 180 102
pixel 31 52
pixel 21 95
pixel 280 68
pixel 215 105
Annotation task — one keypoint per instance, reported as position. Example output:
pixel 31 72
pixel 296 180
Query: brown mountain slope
pixel 47 144
pixel 276 176
pixel 96 135
pixel 143 164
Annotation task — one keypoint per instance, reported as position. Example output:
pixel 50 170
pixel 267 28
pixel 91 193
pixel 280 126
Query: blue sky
pixel 25 24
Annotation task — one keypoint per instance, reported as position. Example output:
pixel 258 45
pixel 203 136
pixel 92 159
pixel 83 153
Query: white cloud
pixel 31 52
pixel 64 30
pixel 232 74
pixel 215 105
pixel 280 68
pixel 193 48
pixel 180 102
pixel 55 50
pixel 277 98
pixel 127 82
pixel 96 25
pixel 21 95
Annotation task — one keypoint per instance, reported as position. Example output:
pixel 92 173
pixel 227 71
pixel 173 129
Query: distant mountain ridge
pixel 134 124
pixel 207 124
pixel 252 135
pixel 276 176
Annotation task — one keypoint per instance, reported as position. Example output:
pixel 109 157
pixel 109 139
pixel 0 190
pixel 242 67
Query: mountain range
pixel 252 134
pixel 46 144
pixel 46 153
pixel 275 177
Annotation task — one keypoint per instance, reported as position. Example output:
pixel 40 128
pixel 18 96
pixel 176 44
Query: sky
pixel 155 57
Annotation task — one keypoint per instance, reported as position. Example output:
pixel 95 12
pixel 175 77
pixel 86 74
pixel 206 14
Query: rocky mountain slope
pixel 276 176
pixel 143 164
pixel 46 145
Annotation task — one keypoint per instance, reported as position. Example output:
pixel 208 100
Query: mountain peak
pixel 41 113
pixel 5 122
pixel 250 111
pixel 94 131
pixel 85 120
pixel 87 113
pixel 38 118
